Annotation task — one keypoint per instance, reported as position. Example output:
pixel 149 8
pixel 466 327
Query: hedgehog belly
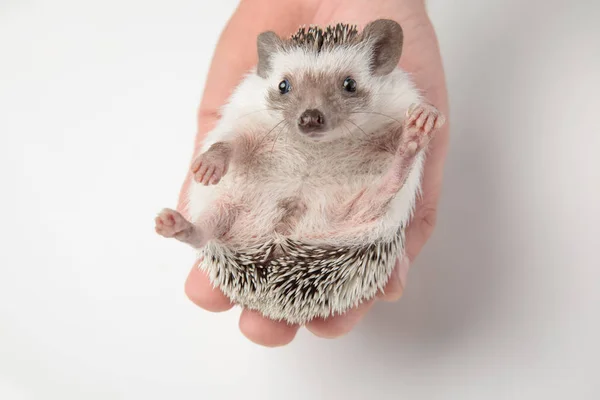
pixel 295 281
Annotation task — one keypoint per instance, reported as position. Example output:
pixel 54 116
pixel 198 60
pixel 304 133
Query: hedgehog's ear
pixel 267 44
pixel 384 39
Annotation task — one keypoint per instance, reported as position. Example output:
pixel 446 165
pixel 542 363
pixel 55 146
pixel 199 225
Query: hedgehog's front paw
pixel 421 121
pixel 170 223
pixel 423 117
pixel 210 167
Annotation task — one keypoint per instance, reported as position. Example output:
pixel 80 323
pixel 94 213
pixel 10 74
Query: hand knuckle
pixel 427 219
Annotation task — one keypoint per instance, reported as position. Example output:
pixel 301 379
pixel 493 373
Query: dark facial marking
pixel 326 100
pixel 318 93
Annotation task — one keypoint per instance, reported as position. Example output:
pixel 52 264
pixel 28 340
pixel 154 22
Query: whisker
pixel 347 129
pixel 373 112
pixel 286 134
pixel 350 130
pixel 371 140
pixel 277 136
pixel 250 113
pixel 361 129
pixel 269 132
pixel 261 141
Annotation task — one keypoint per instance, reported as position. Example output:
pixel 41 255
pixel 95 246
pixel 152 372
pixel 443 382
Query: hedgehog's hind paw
pixel 171 224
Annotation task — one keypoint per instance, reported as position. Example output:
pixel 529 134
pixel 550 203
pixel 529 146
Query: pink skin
pixel 422 121
pixel 214 222
pixel 209 167
pixel 171 224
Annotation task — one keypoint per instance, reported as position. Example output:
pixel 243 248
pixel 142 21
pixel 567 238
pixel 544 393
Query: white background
pixel 97 117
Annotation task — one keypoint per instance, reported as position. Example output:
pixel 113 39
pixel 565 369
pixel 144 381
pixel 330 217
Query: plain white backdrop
pixel 97 119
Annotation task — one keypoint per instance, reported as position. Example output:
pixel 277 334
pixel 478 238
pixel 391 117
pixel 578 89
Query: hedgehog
pixel 302 191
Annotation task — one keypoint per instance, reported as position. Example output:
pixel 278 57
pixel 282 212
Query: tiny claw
pixel 430 123
pixel 414 116
pixel 421 120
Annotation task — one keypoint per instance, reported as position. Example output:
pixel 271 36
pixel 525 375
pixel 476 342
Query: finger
pixel 394 288
pixel 429 76
pixel 441 120
pixel 339 325
pixel 200 290
pixel 264 331
pixel 424 219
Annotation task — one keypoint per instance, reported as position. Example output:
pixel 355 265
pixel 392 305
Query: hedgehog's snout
pixel 312 121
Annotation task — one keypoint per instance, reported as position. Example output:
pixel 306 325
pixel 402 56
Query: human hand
pixel 236 54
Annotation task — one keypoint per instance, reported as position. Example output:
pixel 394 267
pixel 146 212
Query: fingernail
pixel 403 271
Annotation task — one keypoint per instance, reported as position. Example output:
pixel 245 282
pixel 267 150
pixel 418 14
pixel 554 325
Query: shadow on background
pixel 465 270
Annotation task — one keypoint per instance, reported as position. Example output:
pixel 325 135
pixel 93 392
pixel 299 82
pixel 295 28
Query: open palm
pixel 236 54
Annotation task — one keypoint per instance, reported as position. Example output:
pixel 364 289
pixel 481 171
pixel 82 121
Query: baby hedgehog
pixel 303 189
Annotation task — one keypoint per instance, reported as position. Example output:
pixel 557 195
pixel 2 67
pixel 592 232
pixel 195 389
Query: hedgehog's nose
pixel 311 120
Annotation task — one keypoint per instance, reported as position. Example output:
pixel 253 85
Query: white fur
pixel 330 176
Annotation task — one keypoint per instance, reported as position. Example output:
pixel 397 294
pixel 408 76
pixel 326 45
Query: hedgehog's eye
pixel 350 85
pixel 284 86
